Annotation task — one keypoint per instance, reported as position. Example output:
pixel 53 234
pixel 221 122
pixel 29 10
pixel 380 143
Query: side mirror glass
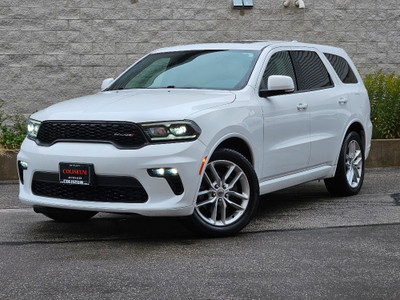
pixel 278 85
pixel 106 83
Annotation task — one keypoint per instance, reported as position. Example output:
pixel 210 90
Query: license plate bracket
pixel 76 173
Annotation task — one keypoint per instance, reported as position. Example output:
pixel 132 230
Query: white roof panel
pixel 248 45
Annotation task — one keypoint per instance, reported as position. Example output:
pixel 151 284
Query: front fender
pixel 232 121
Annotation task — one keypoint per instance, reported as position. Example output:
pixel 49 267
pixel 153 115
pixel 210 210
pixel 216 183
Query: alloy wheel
pixel 354 164
pixel 224 193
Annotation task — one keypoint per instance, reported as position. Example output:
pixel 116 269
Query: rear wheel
pixel 349 175
pixel 228 195
pixel 65 215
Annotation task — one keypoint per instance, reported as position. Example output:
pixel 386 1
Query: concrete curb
pixel 383 154
pixel 8 164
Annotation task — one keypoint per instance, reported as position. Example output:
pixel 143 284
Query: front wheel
pixel 228 195
pixel 349 175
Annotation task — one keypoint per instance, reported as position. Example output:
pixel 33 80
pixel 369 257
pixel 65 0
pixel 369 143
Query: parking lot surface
pixel 303 244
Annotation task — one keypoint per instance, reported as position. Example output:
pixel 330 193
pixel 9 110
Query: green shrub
pixel 384 95
pixel 12 130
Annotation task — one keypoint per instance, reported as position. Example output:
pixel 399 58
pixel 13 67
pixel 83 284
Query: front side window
pixel 342 68
pixel 310 70
pixel 204 69
pixel 280 63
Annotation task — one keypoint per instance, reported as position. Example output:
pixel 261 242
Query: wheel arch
pixel 356 126
pixel 238 144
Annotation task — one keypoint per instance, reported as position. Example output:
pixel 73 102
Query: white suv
pixel 200 131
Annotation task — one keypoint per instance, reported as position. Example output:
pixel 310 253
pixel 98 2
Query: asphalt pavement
pixel 303 244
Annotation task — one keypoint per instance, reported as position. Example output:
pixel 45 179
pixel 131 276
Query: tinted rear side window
pixel 342 68
pixel 310 70
pixel 280 63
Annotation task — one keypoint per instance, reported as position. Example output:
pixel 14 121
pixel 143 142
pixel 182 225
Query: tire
pixel 65 215
pixel 349 175
pixel 228 195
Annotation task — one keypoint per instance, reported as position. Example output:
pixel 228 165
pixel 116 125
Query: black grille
pixel 106 189
pixel 120 134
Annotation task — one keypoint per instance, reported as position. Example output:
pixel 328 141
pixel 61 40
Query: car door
pixel 286 123
pixel 326 105
pixel 348 96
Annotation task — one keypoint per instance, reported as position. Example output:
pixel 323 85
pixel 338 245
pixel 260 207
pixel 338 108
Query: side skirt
pixel 275 184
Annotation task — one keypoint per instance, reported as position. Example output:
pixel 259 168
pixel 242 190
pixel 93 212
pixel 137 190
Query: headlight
pixel 33 128
pixel 171 131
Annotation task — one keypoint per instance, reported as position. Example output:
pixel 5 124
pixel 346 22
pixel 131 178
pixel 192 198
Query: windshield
pixel 206 69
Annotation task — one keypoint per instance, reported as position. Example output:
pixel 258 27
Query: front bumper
pixel 109 161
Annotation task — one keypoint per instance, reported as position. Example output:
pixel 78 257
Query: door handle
pixel 343 100
pixel 302 106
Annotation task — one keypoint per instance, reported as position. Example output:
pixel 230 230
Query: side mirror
pixel 106 83
pixel 278 85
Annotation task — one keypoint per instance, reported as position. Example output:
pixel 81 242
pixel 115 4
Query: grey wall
pixel 52 50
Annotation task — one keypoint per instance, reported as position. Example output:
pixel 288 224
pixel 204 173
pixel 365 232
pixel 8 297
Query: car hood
pixel 142 105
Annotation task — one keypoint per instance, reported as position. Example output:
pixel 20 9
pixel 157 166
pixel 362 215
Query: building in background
pixel 52 50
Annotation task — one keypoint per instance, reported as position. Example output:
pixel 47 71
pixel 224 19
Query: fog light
pixel 163 172
pixel 172 177
pixel 22 165
pixel 173 171
pixel 158 172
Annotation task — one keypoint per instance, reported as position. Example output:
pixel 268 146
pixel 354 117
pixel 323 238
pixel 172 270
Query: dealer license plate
pixel 75 173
